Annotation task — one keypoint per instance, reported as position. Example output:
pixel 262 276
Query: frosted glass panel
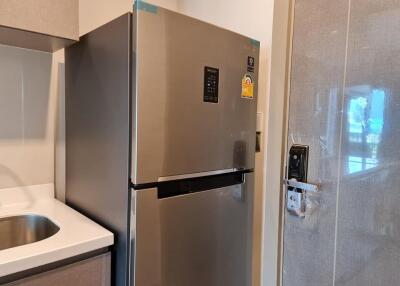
pixel 368 228
pixel 345 104
pixel 315 109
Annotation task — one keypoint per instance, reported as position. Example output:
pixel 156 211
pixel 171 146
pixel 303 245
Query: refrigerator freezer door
pixel 197 239
pixel 196 91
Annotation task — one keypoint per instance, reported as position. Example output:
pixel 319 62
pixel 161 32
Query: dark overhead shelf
pixel 32 40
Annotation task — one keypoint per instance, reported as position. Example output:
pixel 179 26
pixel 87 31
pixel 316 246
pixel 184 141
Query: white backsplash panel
pixel 28 97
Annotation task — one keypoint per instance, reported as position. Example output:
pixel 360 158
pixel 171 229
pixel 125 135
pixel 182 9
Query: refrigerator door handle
pixel 197 175
pixel 200 184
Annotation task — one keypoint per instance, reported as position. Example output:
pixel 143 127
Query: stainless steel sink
pixel 25 229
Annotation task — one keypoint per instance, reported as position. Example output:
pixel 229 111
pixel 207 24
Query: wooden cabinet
pixel 46 25
pixel 95 271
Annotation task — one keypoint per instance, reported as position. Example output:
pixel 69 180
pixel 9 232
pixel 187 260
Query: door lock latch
pixel 297 195
pixel 306 187
pixel 296 182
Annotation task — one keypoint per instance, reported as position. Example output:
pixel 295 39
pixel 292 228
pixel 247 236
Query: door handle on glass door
pixel 307 187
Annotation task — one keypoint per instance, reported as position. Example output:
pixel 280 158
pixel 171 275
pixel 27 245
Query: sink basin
pixel 25 229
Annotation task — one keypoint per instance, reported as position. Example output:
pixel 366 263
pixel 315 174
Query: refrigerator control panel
pixel 211 81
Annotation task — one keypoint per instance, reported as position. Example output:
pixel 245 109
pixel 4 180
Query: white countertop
pixel 77 234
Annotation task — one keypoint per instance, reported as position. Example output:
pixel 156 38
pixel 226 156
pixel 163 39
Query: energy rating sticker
pixel 247 87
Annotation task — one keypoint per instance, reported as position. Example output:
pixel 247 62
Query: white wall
pixel 28 95
pixel 276 139
pixel 252 18
pixel 29 92
pixel 94 13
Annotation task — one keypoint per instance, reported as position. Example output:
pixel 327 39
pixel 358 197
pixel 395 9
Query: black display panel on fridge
pixel 211 81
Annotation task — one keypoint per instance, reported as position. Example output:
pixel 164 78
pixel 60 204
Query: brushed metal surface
pixel 199 239
pixel 25 229
pixel 175 132
pixel 97 100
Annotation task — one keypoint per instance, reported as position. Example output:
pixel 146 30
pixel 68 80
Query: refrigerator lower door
pixel 198 239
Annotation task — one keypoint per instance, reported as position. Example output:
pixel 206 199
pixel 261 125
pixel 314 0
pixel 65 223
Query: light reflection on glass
pixel 358 164
pixel 365 119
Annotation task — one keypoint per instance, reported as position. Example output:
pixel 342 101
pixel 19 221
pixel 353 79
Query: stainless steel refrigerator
pixel 160 134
